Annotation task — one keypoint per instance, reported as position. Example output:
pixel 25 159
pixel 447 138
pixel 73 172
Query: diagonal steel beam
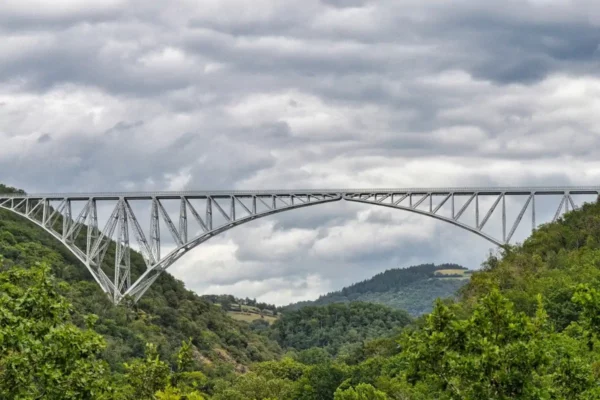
pixel 221 211
pixel 464 207
pixel 381 200
pixel 418 203
pixel 196 215
pixel 78 224
pixel 32 209
pixel 518 220
pixel 140 237
pixel 101 244
pixel 435 210
pixel 19 204
pixel 266 205
pixel 57 211
pixel 489 213
pixel 243 205
pixel 298 198
pixel 573 206
pixel 170 225
pixel 560 207
pixel 401 199
pixel 281 200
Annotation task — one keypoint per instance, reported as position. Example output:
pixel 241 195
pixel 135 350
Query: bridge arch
pixel 53 213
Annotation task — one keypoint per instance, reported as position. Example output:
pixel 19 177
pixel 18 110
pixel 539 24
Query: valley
pixel 398 335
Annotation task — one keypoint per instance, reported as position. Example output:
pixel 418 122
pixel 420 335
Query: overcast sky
pixel 106 95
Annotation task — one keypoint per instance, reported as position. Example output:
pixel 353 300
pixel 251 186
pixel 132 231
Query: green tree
pixel 251 386
pixel 321 381
pixel 147 376
pixel 186 380
pixel 171 393
pixel 313 356
pixel 42 353
pixel 497 353
pixel 362 391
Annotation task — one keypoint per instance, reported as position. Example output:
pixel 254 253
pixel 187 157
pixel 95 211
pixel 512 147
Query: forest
pixel 526 326
pixel 413 289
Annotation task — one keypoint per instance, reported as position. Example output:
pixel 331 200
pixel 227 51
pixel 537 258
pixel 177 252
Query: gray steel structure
pixel 53 212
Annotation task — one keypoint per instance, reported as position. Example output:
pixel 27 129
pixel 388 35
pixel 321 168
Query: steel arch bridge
pixel 223 210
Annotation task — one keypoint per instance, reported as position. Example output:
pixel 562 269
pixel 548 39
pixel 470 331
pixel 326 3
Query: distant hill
pixel 413 289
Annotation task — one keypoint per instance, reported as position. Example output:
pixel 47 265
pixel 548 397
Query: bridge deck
pixel 515 190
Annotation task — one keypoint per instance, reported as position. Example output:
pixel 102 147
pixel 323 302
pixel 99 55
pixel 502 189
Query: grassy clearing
pixel 249 317
pixel 442 272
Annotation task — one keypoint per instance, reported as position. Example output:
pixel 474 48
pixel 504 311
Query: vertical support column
pixel 232 209
pixel 183 230
pixel 504 217
pixel 430 202
pixel 44 211
pixel 92 232
pixel 410 200
pixel 273 202
pixel 453 213
pixel 122 257
pixel 66 219
pixel 566 200
pixel 477 209
pixel 209 219
pixel 27 206
pixel 532 211
pixel 155 230
pixel 253 205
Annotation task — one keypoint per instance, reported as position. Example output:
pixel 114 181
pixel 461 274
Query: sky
pixel 114 95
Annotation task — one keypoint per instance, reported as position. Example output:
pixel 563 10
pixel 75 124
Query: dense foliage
pixel 336 325
pixel 526 327
pixel 42 353
pixel 413 289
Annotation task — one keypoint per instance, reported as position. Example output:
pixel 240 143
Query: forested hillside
pixel 525 327
pixel 413 289
pixel 165 316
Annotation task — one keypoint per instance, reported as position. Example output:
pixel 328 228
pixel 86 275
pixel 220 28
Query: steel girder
pixel 215 212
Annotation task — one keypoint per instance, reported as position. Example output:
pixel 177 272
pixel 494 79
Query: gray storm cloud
pixel 131 95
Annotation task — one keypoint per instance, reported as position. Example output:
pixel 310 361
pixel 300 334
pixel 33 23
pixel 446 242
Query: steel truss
pixel 222 211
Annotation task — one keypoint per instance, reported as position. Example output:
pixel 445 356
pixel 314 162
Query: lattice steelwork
pixel 224 210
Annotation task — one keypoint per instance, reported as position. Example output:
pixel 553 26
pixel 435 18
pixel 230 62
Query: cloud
pixel 108 95
pixel 59 12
